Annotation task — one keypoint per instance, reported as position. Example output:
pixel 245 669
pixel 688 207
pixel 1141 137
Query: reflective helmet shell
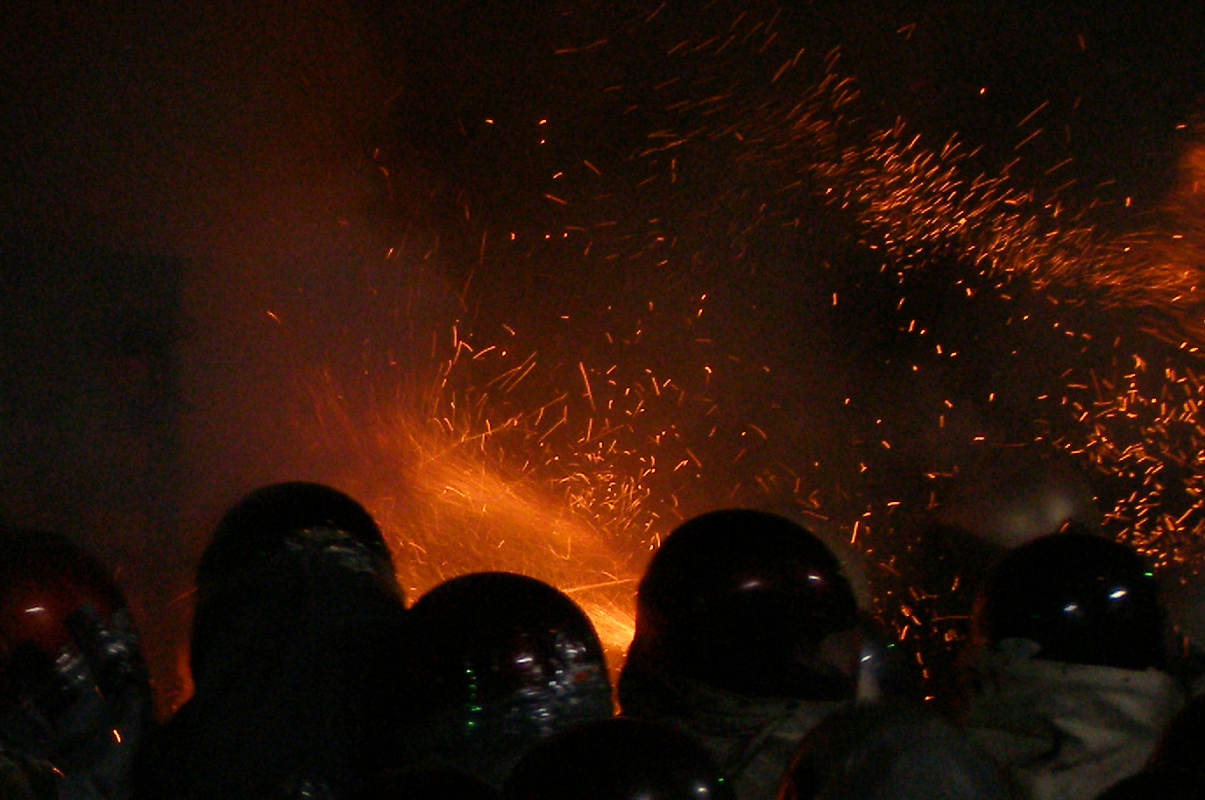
pixel 74 690
pixel 288 539
pixel 750 602
pixel 49 588
pixel 617 759
pixel 496 662
pixel 1073 597
pixel 268 519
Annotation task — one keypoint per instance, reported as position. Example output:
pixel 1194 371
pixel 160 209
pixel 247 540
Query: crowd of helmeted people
pixel 754 673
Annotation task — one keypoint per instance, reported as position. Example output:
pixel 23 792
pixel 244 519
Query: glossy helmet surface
pixel 495 662
pixel 71 670
pixel 1073 597
pixel 750 602
pixel 289 515
pixel 617 759
pixel 298 539
pixel 56 602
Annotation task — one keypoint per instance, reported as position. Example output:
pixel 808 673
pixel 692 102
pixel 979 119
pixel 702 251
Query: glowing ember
pixel 568 456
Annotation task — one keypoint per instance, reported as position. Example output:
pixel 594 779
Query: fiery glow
pixel 468 477
pixel 566 457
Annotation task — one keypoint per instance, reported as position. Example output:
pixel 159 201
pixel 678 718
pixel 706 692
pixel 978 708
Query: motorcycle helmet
pixel 750 602
pixel 1073 597
pixel 495 662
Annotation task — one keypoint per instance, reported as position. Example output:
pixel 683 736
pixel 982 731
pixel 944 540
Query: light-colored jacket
pixel 751 739
pixel 1068 731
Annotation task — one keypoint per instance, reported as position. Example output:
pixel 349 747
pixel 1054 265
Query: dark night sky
pixel 247 145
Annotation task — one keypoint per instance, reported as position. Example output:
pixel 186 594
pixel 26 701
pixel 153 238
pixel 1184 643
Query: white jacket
pixel 1068 731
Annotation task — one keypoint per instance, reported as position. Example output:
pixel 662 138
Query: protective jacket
pixel 1068 731
pixel 751 739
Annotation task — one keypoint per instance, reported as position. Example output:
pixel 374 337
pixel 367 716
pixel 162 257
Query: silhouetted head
pixel 496 662
pixel 1073 597
pixel 749 602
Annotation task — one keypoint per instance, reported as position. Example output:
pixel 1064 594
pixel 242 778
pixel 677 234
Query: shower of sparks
pixel 569 462
pixel 919 203
pixel 502 463
pixel 1142 431
pixel 472 474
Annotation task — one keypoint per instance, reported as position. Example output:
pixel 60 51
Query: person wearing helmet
pixel 617 759
pixel 891 750
pixel 885 669
pixel 1066 683
pixel 75 699
pixel 496 662
pixel 297 614
pixel 747 635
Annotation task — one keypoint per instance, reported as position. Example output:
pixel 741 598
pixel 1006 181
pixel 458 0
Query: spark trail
pixel 566 456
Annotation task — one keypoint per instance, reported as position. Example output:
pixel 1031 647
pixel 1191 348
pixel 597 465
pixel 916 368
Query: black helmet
pixel 752 603
pixel 617 759
pixel 74 689
pixel 1073 597
pixel 495 662
pixel 282 515
pixel 890 750
pixel 293 650
pixel 287 538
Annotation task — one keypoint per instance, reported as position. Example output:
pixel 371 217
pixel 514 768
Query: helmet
pixel 284 515
pixel 897 750
pixel 297 618
pixel 71 671
pixel 1073 597
pixel 287 538
pixel 496 662
pixel 752 603
pixel 617 759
